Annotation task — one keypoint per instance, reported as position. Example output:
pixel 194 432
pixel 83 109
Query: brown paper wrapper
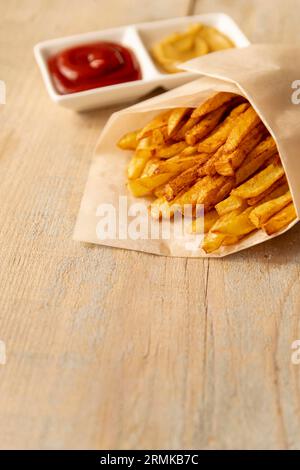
pixel 264 74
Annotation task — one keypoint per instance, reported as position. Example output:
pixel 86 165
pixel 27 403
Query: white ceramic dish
pixel 139 38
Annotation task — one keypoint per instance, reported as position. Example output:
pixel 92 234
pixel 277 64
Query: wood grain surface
pixel 121 350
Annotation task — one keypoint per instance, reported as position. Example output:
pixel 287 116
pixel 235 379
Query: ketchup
pixel 93 65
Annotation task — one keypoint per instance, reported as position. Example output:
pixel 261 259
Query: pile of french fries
pixel 219 155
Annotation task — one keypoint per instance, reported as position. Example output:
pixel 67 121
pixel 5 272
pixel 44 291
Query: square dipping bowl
pixel 139 38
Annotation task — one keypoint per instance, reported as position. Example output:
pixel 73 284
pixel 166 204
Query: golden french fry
pixel 208 168
pixel 175 165
pixel 159 121
pixel 218 137
pixel 276 191
pixel 128 141
pixel 224 191
pixel 213 103
pixel 256 159
pixel 145 144
pixel 213 241
pixel 262 213
pixel 181 182
pixel 205 192
pixel 280 220
pixel 150 167
pixel 189 151
pixel 137 163
pixel 203 224
pixel 231 240
pixel 260 182
pixel 158 192
pixel 179 134
pixel 235 223
pixel 230 204
pixel 229 162
pixel 144 186
pixel 170 150
pixel 160 208
pixel 176 119
pixel 245 123
pixel 205 126
pixel 159 136
pixel 253 201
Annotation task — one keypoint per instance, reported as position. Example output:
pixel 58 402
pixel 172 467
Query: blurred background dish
pixel 140 40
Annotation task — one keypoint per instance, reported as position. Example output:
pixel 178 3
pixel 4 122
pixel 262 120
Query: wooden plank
pixel 115 349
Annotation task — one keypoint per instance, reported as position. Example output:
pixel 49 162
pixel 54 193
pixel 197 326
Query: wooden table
pixel 114 349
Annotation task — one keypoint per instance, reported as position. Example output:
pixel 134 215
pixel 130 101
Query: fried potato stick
pixel 235 223
pixel 230 204
pixel 180 133
pixel 245 123
pixel 159 121
pixel 184 180
pixel 205 126
pixel 213 103
pixel 205 191
pixel 176 118
pixel 160 208
pixel 137 163
pixel 144 186
pixel 253 201
pixel 169 151
pixel 260 182
pixel 218 137
pixel 174 165
pixel 229 162
pixel 205 222
pixel 256 159
pixel 280 220
pixel 262 213
pixel 213 241
pixel 128 141
pixel 208 168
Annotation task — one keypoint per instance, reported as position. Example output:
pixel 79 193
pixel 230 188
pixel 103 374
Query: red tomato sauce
pixel 93 65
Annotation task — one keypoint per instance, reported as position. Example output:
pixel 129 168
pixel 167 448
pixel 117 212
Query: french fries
pixel 280 220
pixel 218 137
pixel 219 155
pixel 229 162
pixel 199 224
pixel 145 186
pixel 176 118
pixel 256 159
pixel 260 183
pixel 129 141
pixel 261 214
pixel 213 103
pixel 206 125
